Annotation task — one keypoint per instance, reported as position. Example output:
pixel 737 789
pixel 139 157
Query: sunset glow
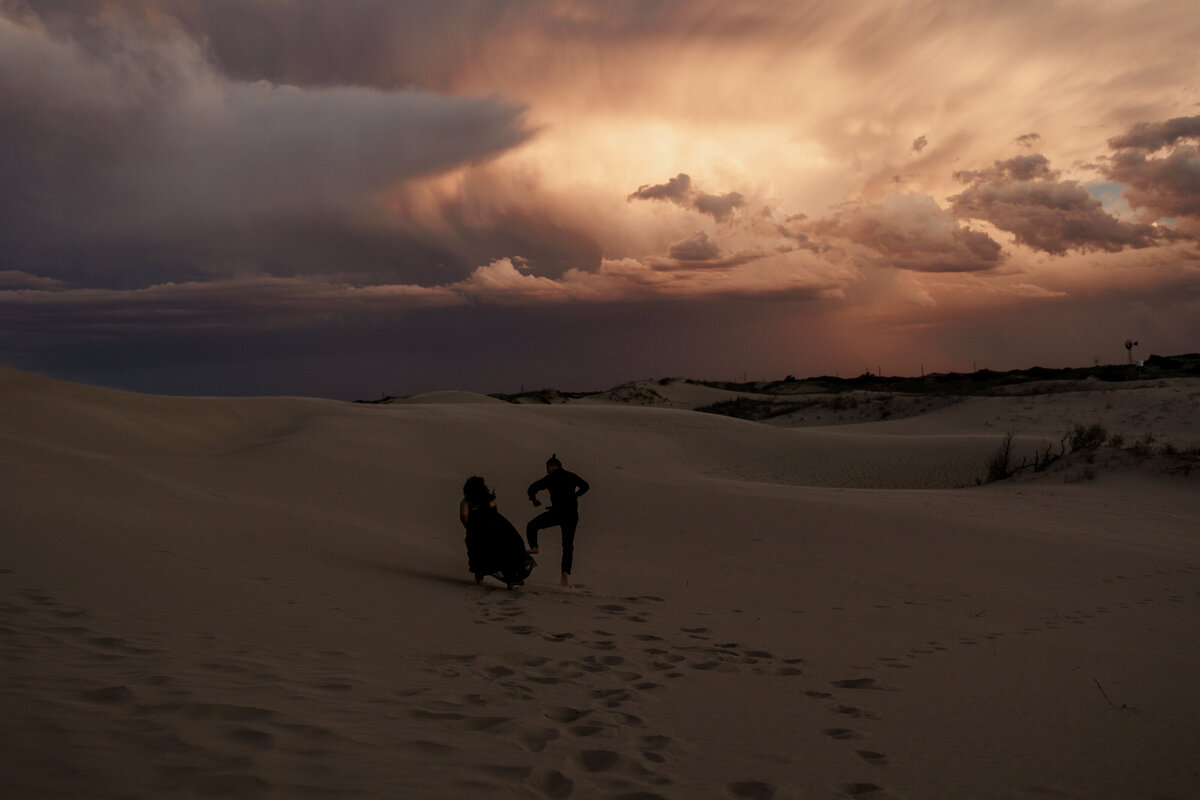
pixel 323 198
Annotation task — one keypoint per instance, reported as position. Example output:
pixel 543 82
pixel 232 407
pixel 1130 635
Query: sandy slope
pixel 269 598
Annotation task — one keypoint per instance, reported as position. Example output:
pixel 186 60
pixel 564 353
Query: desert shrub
pixel 885 406
pixel 1116 440
pixel 1088 437
pixel 1143 447
pixel 999 466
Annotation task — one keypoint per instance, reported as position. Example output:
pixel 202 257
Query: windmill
pixel 1129 345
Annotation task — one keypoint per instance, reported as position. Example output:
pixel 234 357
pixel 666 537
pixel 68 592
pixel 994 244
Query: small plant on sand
pixel 1088 437
pixel 840 403
pixel 999 466
pixel 1143 447
pixel 1045 455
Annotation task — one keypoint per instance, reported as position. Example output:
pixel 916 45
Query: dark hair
pixel 477 492
pixel 553 461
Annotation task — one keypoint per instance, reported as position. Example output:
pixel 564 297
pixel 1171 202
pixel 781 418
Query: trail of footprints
pixel 133 692
pixel 609 679
pixel 592 746
pixel 190 721
pixel 606 747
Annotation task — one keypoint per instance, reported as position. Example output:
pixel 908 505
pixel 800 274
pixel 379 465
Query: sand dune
pixel 448 397
pixel 269 598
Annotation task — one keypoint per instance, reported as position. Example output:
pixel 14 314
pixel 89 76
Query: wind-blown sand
pixel 269 598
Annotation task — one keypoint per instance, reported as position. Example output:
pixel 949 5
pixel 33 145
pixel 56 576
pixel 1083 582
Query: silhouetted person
pixel 565 488
pixel 494 546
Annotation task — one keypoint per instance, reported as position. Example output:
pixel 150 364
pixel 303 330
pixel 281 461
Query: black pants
pixel 566 520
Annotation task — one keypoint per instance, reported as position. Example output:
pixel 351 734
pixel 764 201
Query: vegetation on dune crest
pixel 1083 442
pixel 982 382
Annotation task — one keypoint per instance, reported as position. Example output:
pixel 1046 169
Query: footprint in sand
pixel 523 660
pixel 599 760
pixel 841 733
pixel 441 716
pixel 506 772
pixel 110 695
pixel 655 742
pixel 852 712
pixel 565 714
pixel 894 663
pixel 536 739
pixel 552 783
pixel 752 790
pixel 225 711
pixel 583 731
pixel 425 747
pixel 489 724
pixel 873 758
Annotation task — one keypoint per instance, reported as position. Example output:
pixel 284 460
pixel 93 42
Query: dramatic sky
pixel 359 197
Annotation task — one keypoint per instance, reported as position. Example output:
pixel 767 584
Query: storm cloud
pixel 127 146
pixel 403 186
pixel 1025 197
pixel 679 190
pixel 912 232
pixel 1159 164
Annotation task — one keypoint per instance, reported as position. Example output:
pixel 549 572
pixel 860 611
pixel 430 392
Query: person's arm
pixel 582 486
pixel 534 488
pixel 464 512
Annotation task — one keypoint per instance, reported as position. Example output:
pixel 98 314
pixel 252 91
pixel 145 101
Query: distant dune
pixel 448 397
pixel 269 598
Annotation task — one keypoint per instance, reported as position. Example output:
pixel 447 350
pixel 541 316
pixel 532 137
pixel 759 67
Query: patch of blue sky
pixel 1110 197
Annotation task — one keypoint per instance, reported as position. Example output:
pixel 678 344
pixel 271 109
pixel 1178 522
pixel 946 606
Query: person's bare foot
pixel 532 551
pixel 566 579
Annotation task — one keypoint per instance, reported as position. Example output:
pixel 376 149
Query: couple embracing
pixel 493 545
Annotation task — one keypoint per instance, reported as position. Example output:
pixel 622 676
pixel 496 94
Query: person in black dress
pixel 494 547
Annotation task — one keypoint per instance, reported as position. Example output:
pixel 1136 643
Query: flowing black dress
pixel 495 548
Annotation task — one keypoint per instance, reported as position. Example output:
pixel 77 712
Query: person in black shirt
pixel 565 489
